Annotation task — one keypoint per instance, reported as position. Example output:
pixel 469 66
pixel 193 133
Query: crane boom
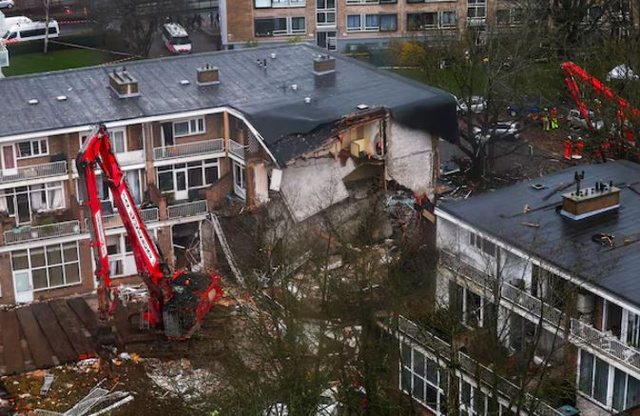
pixel 179 300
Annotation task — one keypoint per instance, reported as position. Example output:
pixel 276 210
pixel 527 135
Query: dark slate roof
pixel 565 243
pixel 265 97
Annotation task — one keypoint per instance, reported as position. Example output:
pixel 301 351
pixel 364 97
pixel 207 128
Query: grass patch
pixel 55 60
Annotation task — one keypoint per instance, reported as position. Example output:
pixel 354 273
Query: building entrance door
pixel 23 286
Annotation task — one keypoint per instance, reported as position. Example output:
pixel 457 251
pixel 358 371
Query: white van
pixel 176 38
pixel 21 29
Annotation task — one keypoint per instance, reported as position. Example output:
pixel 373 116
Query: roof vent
pixel 33 101
pixel 362 107
pixel 123 83
pixel 588 202
pixel 324 65
pixel 208 75
pixel 61 98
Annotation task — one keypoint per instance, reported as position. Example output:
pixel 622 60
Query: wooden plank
pixel 53 331
pixel 29 365
pixel 11 342
pixel 43 355
pixel 84 313
pixel 126 333
pixel 3 365
pixel 73 328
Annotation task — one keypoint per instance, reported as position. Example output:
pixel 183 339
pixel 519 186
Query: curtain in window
pixel 3 202
pixel 133 180
pixel 371 21
pixel 38 203
pixel 56 198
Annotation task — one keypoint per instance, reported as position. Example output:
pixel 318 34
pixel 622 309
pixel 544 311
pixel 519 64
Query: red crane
pixel 625 111
pixel 177 301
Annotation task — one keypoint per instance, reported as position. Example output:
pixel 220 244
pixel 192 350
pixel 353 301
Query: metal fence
pixel 189 149
pixel 605 343
pixel 39 232
pixel 188 209
pixel 34 171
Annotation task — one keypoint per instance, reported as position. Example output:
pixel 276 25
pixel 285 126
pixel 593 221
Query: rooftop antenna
pixel 578 177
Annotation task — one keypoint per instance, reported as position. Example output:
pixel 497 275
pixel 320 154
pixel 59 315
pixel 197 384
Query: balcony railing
pixel 34 172
pixel 204 147
pixel 188 209
pixel 114 221
pixel 130 158
pixel 470 366
pixel 508 292
pixel 39 232
pixel 605 343
pixel 237 149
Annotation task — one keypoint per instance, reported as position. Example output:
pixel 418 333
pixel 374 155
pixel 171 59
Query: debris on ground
pixel 99 401
pixel 178 377
pixel 46 384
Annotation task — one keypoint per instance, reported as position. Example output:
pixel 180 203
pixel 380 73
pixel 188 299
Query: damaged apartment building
pixel 545 272
pixel 195 134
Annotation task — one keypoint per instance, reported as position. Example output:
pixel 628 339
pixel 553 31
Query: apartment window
pixel 265 4
pixel 51 266
pixel 503 17
pixel 447 19
pixel 472 309
pixel 388 22
pixel 548 286
pixel 121 259
pixel 372 1
pixel 371 22
pixel 423 379
pixel 482 244
pixel 32 148
pixel 326 12
pixel 192 175
pixel 279 26
pixel 626 391
pixel 354 22
pixel 21 202
pixel 421 21
pixel 188 127
pixel 473 402
pixel 135 180
pixel 594 377
pixel 298 25
pixel 262 4
pixel 476 9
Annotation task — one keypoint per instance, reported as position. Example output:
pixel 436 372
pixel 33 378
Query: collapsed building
pixel 194 134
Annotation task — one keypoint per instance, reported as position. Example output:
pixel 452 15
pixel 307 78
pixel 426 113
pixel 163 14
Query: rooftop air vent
pixel 123 83
pixel 61 98
pixel 185 82
pixel 33 101
pixel 324 64
pixel 588 202
pixel 208 75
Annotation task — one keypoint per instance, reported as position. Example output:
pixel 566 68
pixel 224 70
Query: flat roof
pixel 265 97
pixel 562 242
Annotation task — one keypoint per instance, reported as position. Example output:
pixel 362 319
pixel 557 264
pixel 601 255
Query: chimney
pixel 588 202
pixel 208 75
pixel 324 64
pixel 324 71
pixel 123 83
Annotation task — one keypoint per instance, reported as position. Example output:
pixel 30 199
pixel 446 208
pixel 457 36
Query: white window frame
pixel 121 256
pixel 46 266
pixel 478 242
pixel 47 187
pixel 326 12
pixel 196 125
pixel 289 24
pixel 448 25
pixel 470 409
pixel 32 145
pixel 207 163
pixel 425 379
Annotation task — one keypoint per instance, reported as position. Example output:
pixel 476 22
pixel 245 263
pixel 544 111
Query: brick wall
pixel 240 20
pixel 56 145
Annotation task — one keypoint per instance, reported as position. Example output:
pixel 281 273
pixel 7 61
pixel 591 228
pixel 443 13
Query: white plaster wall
pixel 261 181
pixel 410 159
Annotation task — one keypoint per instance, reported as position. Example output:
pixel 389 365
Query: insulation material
pixel 410 159
pixel 311 186
pixel 261 181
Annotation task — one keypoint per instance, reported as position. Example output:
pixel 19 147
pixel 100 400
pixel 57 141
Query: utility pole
pixel 46 30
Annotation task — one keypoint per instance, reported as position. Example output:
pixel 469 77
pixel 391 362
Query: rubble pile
pixel 179 378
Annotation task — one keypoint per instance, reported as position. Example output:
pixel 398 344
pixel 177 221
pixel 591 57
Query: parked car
pixel 475 103
pixel 576 120
pixel 529 109
pixel 505 130
pixel 6 4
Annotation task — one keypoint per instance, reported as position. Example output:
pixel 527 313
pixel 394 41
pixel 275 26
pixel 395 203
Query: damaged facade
pixel 554 263
pixel 194 134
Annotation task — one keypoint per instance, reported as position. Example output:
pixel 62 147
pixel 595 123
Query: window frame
pixel 441 376
pixel 32 146
pixel 199 126
pixel 47 267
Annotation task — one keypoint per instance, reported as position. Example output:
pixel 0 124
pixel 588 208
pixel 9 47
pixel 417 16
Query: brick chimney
pixel 123 83
pixel 324 64
pixel 588 202
pixel 208 75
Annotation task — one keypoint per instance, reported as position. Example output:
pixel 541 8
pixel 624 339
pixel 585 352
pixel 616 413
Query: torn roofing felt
pixel 266 97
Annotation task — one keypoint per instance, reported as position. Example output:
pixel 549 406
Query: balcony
pixel 288 3
pixel 188 209
pixel 41 232
pixel 237 149
pixel 468 365
pixel 34 172
pixel 605 343
pixel 515 296
pixel 130 158
pixel 205 148
pixel 114 221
